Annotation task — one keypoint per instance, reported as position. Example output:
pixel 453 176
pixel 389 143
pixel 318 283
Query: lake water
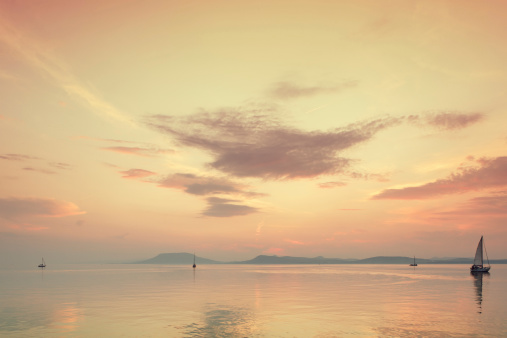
pixel 253 301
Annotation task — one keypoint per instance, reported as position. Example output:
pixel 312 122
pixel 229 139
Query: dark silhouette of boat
pixel 478 265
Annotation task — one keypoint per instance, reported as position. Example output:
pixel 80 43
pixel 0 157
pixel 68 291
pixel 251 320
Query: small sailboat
pixel 413 264
pixel 478 260
pixel 194 262
pixel 43 264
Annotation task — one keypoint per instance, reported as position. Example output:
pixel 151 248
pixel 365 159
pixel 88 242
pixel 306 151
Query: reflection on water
pixel 478 278
pixel 222 321
pixel 253 301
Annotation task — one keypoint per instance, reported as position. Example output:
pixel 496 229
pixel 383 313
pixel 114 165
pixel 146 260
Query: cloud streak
pixel 287 90
pixel 136 173
pixel 205 186
pixel 489 173
pixel 221 207
pixel 17 157
pixel 138 151
pixel 42 59
pixel 447 120
pixel 11 208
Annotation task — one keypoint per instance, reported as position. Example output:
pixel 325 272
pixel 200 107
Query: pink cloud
pixel 490 173
pixel 329 185
pixel 136 173
pixel 493 205
pixel 291 241
pixel 11 208
pixel 273 251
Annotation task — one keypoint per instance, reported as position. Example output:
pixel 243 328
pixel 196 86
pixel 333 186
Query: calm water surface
pixel 253 301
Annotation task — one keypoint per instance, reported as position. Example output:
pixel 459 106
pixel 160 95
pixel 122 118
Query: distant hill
pixel 263 259
pixel 178 258
pixel 187 258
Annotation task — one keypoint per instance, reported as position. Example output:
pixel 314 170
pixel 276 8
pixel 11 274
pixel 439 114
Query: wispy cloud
pixel 11 208
pixel 486 174
pixel 329 185
pixel 40 57
pixel 447 120
pixel 60 165
pixel 17 157
pixel 289 90
pixel 253 143
pixel 40 170
pixel 221 207
pixel 492 205
pixel 28 158
pixel 146 152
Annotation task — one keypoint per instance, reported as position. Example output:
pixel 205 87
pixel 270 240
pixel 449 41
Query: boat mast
pixel 486 251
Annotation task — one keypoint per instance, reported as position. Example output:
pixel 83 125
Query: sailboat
pixel 478 260
pixel 43 264
pixel 413 264
pixel 194 262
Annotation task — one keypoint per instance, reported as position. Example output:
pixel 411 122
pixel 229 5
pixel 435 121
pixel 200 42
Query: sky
pixel 231 129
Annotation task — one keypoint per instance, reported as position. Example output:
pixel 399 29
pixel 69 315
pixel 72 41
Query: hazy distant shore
pixel 187 258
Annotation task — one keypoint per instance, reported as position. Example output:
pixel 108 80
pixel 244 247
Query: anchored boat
pixel 478 260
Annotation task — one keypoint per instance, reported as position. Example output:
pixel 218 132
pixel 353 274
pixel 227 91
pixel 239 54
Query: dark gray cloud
pixel 206 186
pixel 203 186
pixel 256 144
pixel 221 207
pixel 486 174
pixel 288 90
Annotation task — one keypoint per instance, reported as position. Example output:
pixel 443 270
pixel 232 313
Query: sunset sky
pixel 344 129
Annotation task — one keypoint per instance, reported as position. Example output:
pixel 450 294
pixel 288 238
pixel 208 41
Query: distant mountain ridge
pixel 177 258
pixel 187 258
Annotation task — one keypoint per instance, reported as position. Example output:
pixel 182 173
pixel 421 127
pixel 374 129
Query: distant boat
pixel 43 264
pixel 194 262
pixel 478 260
pixel 413 264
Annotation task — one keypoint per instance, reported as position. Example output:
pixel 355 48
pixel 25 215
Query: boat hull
pixel 475 268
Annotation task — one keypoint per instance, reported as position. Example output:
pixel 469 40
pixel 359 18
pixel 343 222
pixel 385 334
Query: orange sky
pixel 233 129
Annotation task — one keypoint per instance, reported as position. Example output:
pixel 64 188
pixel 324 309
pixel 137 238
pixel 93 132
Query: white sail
pixel 478 254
